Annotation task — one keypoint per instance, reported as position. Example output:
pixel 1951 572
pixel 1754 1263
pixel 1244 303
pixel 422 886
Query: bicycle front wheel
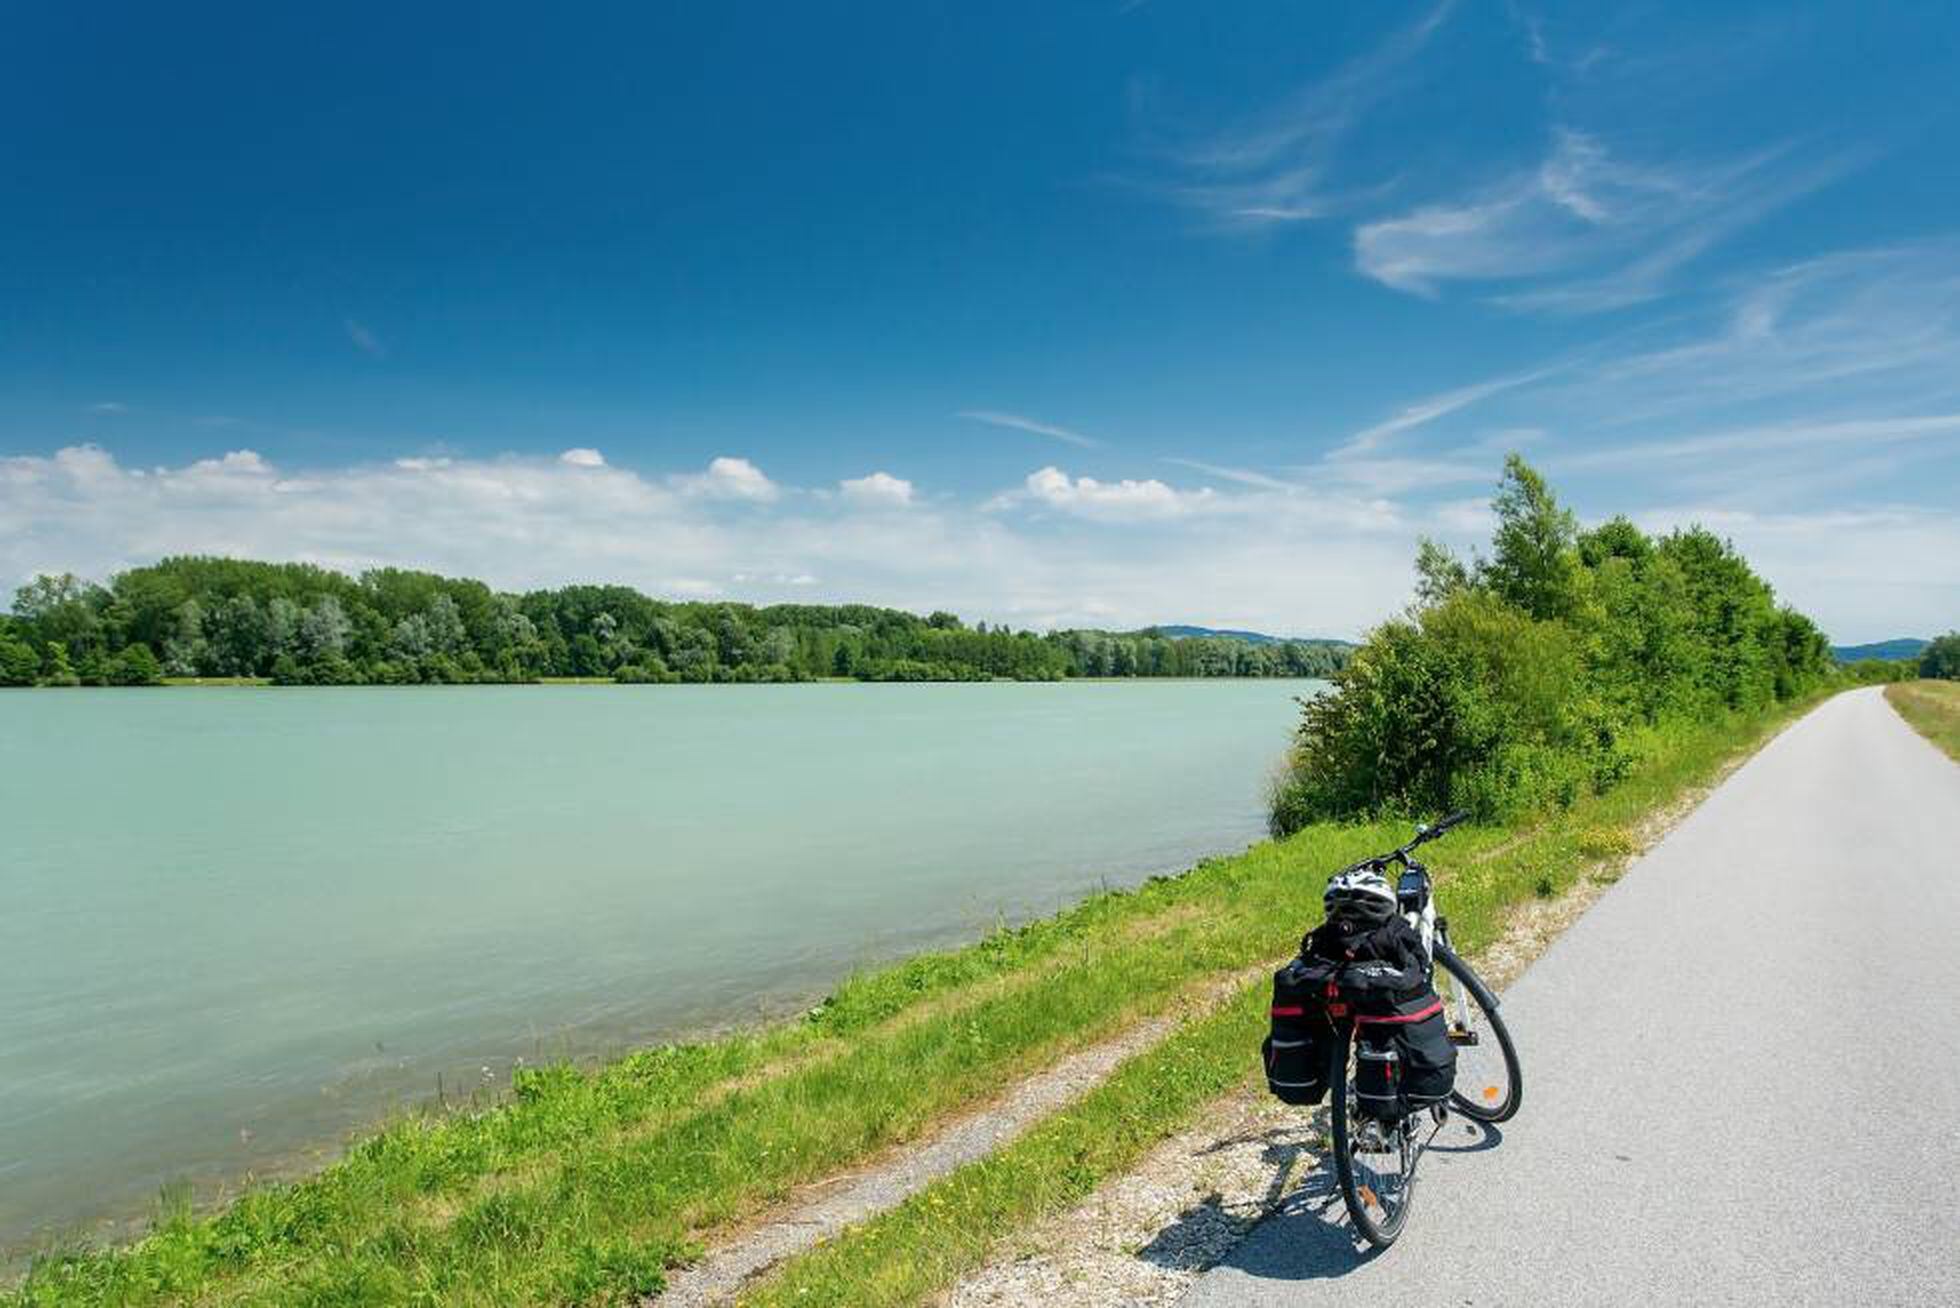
pixel 1375 1162
pixel 1489 1081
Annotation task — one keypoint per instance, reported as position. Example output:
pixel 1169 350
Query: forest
pixel 298 624
pixel 1547 670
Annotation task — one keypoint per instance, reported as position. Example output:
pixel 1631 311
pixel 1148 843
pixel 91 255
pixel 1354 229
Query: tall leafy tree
pixel 1533 555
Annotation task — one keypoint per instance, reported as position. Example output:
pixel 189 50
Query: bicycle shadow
pixel 1305 1234
pixel 1196 1237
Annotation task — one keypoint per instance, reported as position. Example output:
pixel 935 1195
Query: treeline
pixel 1544 671
pixel 297 624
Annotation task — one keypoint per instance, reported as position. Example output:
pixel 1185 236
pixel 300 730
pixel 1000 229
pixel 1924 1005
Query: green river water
pixel 239 924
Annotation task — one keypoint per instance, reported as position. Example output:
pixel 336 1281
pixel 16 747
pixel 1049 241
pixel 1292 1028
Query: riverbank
pixel 590 1186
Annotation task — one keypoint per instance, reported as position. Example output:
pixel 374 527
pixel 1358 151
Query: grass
pixel 924 1245
pixel 1933 709
pixel 587 1185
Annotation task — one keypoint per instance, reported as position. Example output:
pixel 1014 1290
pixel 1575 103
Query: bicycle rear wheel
pixel 1489 1081
pixel 1375 1162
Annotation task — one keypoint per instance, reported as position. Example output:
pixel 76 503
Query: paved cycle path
pixel 1742 1069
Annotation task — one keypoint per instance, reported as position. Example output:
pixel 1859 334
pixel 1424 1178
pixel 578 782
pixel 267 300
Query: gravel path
pixel 821 1211
pixel 1743 1069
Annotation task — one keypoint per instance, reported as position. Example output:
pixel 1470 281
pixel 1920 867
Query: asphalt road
pixel 1742 1069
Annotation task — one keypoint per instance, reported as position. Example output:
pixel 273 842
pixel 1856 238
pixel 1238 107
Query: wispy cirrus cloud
pixel 1243 476
pixel 1277 166
pixel 1018 422
pixel 364 340
pixel 1584 230
pixel 1432 407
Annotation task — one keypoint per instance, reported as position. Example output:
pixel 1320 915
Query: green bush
pixel 19 664
pixel 1532 678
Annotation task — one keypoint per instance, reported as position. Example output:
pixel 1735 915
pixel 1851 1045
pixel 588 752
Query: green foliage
pixel 1543 673
pixel 1533 562
pixel 302 625
pixel 56 670
pixel 19 664
pixel 1941 659
pixel 1868 672
pixel 136 666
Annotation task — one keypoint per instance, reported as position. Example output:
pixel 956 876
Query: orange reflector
pixel 1490 1092
pixel 1368 1197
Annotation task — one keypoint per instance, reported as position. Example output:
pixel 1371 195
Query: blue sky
pixel 1053 313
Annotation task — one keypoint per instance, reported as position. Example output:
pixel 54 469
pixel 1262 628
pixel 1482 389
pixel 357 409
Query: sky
pixel 1103 313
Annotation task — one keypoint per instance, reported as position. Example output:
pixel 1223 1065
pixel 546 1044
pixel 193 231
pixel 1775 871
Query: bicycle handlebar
pixel 1424 833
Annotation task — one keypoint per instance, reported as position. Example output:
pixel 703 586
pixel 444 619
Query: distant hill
pixel 1180 631
pixel 1902 647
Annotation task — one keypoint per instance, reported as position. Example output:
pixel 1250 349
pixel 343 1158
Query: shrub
pixel 1529 680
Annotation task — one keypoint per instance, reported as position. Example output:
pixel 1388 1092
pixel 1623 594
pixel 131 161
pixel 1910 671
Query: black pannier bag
pixel 1404 1060
pixel 1297 1050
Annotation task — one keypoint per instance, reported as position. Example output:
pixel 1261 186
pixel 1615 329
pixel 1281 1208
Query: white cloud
pixel 878 488
pixel 1335 566
pixel 1058 550
pixel 729 478
pixel 110 408
pixel 583 457
pixel 1149 498
pixel 1016 422
pixel 1583 230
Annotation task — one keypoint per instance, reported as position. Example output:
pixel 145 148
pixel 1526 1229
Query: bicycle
pixel 1489 1082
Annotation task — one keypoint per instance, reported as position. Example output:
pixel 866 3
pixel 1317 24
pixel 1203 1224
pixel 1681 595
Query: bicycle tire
pixel 1514 1071
pixel 1380 1232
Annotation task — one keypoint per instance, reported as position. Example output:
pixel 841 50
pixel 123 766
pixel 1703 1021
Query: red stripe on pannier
pixel 1288 1010
pixel 1430 1011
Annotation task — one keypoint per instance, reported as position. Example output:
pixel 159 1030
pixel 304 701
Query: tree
pixel 19 664
pixel 63 608
pixel 1942 658
pixel 238 636
pixel 1533 555
pixel 447 634
pixel 136 666
pixel 55 667
pixel 323 632
pixel 1439 573
pixel 185 651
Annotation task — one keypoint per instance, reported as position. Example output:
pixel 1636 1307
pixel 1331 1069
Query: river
pixel 240 924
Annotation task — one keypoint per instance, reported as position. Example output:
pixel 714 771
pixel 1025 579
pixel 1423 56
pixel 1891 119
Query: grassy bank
pixel 588 1185
pixel 928 1243
pixel 1933 708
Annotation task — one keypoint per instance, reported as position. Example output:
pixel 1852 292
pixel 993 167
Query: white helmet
pixel 1360 894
